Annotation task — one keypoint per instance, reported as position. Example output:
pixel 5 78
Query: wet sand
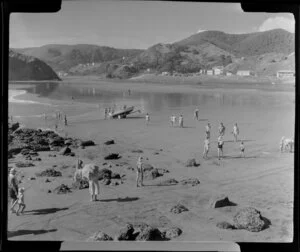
pixel 263 180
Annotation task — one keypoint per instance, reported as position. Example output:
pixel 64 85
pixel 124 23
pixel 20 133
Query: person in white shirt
pixel 147 118
pixel 21 202
pixel 221 129
pixel 139 172
pixel 206 147
pixel 180 121
pixel 207 130
pixel 235 132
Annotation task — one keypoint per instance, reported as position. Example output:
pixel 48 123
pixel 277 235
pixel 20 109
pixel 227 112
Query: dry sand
pixel 263 180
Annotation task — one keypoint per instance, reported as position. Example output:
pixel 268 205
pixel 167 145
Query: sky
pixel 136 24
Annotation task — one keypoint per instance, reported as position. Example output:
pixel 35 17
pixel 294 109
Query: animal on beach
pixel 92 173
pixel 286 144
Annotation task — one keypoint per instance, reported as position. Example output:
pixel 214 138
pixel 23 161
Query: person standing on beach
pixel 13 188
pixel 66 122
pixel 196 114
pixel 180 121
pixel 105 113
pixel 147 119
pixel 235 131
pixel 206 148
pixel 207 130
pixel 221 129
pixel 139 172
pixel 220 147
pixel 21 202
pixel 242 148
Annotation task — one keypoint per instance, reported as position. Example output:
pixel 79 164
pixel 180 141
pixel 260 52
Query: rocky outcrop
pixel 81 183
pixel 23 67
pixel 87 143
pixel 148 233
pixel 172 233
pixel 49 173
pixel 178 209
pixel 112 156
pixel 250 219
pixel 126 233
pixel 220 201
pixel 109 142
pixel 100 236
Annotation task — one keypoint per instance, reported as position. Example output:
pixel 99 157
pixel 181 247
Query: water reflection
pixel 151 101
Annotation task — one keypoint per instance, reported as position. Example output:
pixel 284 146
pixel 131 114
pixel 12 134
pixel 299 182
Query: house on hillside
pixel 243 73
pixel 164 73
pixel 285 74
pixel 209 72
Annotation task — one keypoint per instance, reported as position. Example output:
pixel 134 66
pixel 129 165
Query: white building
pixel 209 72
pixel 218 71
pixel 243 73
pixel 228 73
pixel 285 74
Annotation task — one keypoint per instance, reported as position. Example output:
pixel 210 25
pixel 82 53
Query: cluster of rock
pixel 62 189
pixel 190 181
pixel 24 164
pixel 141 232
pixel 112 156
pixel 191 163
pixel 179 208
pixel 49 173
pixel 81 183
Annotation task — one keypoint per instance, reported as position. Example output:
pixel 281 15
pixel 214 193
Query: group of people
pixel 109 111
pixel 220 142
pixel 16 194
pixel 173 121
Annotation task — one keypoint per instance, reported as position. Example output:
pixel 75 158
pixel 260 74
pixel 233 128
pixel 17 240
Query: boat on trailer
pixel 122 113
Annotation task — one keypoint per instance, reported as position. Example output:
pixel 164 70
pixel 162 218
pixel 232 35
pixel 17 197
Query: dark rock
pixel 32 178
pixel 22 165
pixel 161 149
pixel 87 143
pixel 168 182
pixel 57 141
pixel 112 156
pixel 51 155
pixel 220 201
pixel 38 159
pixel 225 225
pixel 173 232
pixel 104 163
pixel 25 151
pixel 81 184
pixel 109 142
pixel 156 153
pixel 49 173
pixel 62 189
pixel 47 181
pixel 149 233
pixel 137 151
pixel 28 158
pixel 105 174
pixel 191 163
pixel 49 191
pixel 68 142
pixel 100 236
pixel 72 154
pixel 130 168
pixel 178 209
pixel 14 126
pixel 106 181
pixel 33 153
pixel 250 219
pixel 126 233
pixel 190 181
pixel 115 176
pixel 64 151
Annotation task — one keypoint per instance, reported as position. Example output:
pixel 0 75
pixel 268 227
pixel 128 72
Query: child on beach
pixel 235 131
pixel 206 147
pixel 207 130
pixel 220 147
pixel 221 129
pixel 180 120
pixel 242 148
pixel 139 172
pixel 147 119
pixel 21 202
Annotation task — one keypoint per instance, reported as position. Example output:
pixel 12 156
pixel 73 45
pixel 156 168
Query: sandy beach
pixel 263 179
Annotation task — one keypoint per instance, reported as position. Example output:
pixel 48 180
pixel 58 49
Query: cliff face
pixel 22 67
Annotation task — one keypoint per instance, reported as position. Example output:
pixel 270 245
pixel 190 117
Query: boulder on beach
pixel 172 232
pixel 49 173
pixel 126 233
pixel 115 176
pixel 24 164
pixel 109 142
pixel 100 236
pixel 190 181
pixel 62 189
pixel 148 233
pixel 191 163
pixel 220 201
pixel 87 143
pixel 64 151
pixel 225 225
pixel 168 182
pixel 250 219
pixel 179 208
pixel 112 156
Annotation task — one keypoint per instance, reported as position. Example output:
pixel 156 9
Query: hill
pixel 63 57
pixel 22 67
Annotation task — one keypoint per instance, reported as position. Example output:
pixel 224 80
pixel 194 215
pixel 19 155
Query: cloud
pixel 278 22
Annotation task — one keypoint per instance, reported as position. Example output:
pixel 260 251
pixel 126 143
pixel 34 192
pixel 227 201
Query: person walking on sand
pixel 220 147
pixel 221 129
pixel 105 113
pixel 66 122
pixel 20 201
pixel 180 121
pixel 139 172
pixel 207 130
pixel 13 188
pixel 206 148
pixel 196 114
pixel 242 148
pixel 235 132
pixel 147 119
